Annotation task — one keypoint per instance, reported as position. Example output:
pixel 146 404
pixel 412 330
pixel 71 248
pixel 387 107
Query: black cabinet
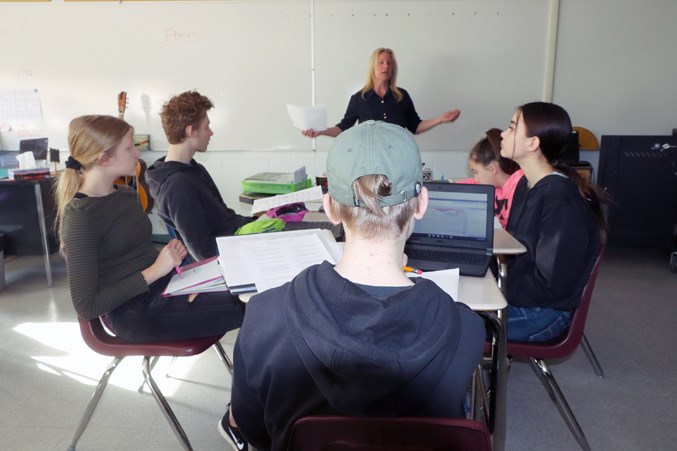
pixel 25 208
pixel 639 173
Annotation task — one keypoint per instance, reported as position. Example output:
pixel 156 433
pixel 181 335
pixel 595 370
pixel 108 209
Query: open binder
pixel 200 277
pixel 254 263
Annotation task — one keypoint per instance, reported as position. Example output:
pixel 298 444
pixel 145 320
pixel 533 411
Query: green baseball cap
pixel 371 148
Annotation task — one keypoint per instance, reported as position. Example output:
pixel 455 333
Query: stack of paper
pixel 254 263
pixel 313 194
pixel 200 277
pixel 446 279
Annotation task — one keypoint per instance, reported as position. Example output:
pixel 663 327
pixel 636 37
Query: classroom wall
pixel 616 65
pixel 613 68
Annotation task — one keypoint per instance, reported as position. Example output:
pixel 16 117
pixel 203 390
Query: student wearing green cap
pixel 358 338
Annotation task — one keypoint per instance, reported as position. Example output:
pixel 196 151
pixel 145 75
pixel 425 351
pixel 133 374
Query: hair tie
pixel 72 163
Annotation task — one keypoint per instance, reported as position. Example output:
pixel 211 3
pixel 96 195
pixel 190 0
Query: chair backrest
pixel 567 343
pixel 334 433
pixel 104 342
pixel 586 139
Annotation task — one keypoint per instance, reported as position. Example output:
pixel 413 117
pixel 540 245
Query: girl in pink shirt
pixel 490 168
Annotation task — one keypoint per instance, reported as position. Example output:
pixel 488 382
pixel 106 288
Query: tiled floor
pixel 47 374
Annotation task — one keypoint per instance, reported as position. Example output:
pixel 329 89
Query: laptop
pixel 457 230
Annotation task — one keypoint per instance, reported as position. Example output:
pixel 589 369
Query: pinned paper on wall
pixel 20 106
pixel 20 116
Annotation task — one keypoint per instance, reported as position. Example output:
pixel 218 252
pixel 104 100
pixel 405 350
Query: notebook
pixel 457 230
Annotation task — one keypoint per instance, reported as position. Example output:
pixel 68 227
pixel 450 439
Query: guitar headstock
pixel 122 104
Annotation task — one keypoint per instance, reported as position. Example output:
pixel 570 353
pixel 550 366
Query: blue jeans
pixel 536 324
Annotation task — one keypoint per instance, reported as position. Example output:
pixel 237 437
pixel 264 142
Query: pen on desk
pixel 414 270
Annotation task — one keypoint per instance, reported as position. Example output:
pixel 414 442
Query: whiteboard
pixel 252 58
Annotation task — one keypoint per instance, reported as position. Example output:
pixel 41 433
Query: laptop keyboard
pixel 445 256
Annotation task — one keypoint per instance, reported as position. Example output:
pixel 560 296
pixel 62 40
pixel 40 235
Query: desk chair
pixel 587 141
pixel 334 433
pixel 100 340
pixel 562 347
pixel 174 234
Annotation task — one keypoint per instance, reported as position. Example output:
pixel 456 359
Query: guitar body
pixel 142 187
pixel 138 180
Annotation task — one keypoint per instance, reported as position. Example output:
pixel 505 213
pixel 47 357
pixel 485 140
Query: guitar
pixel 138 180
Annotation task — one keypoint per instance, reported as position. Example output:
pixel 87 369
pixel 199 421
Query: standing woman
pixel 114 269
pixel 557 215
pixel 382 100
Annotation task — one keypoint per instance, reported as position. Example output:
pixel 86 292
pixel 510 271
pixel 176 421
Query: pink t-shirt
pixel 504 195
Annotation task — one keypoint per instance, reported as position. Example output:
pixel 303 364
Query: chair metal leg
pixel 169 414
pixel 544 374
pixel 223 356
pixel 219 351
pixel 94 401
pixel 479 407
pixel 169 368
pixel 591 356
pixel 153 362
pixel 498 380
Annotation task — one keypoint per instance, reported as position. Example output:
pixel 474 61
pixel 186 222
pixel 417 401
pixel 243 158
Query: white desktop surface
pixel 478 293
pixel 505 244
pixel 481 293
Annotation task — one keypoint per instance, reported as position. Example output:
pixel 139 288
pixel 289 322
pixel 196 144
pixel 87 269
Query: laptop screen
pixel 458 212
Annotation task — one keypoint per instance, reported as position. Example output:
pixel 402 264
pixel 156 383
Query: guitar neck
pixel 122 104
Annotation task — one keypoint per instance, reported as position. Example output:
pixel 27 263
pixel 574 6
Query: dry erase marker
pixel 414 270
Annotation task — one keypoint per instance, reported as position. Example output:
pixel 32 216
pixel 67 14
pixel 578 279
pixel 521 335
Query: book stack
pixel 28 174
pixel 266 184
pixel 200 277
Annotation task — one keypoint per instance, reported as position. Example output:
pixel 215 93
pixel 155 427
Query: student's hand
pixel 177 246
pixel 450 116
pixel 170 256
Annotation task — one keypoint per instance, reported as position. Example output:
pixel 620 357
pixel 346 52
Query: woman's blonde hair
pixel 370 220
pixel 88 138
pixel 369 84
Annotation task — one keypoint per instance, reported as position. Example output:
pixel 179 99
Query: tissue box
pixel 28 174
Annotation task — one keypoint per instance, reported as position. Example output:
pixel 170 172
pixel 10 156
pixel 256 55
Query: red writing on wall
pixel 174 35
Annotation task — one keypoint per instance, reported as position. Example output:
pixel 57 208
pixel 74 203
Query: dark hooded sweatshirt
pixel 187 198
pixel 321 344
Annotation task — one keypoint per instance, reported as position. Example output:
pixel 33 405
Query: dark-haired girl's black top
pixel 562 238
